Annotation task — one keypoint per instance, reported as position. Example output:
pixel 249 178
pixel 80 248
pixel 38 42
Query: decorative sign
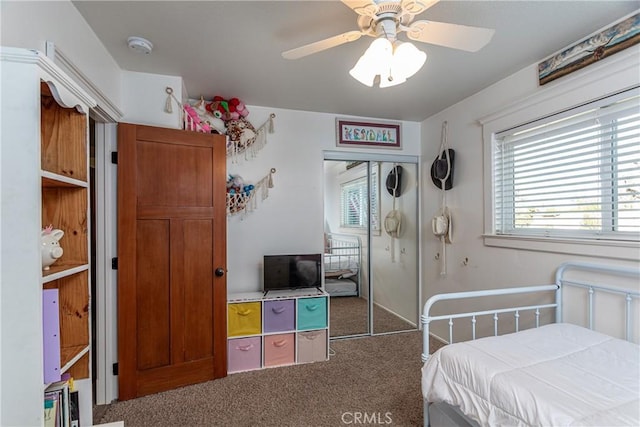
pixel 617 37
pixel 378 135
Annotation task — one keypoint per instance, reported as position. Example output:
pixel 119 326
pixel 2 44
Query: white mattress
pixel 340 287
pixel 555 375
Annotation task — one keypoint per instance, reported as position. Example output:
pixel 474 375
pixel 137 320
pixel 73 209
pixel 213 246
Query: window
pixel 354 200
pixel 575 174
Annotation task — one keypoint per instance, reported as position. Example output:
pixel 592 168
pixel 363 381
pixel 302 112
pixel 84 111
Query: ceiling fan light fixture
pixel 407 60
pixel 373 62
pixel 394 63
pixel 363 72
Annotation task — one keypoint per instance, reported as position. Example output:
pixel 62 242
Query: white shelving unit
pixel 277 329
pixel 44 180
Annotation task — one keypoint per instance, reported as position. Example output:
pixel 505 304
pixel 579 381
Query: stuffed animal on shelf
pixel 241 133
pixel 215 123
pixel 238 108
pixel 226 110
pixel 236 185
pixel 193 120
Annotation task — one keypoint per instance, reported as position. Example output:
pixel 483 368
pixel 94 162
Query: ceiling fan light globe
pixel 379 54
pixel 363 72
pixel 407 60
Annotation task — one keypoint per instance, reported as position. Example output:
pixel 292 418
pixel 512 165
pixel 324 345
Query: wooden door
pixel 171 259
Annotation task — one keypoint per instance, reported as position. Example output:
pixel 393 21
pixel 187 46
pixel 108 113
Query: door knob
pixel 219 272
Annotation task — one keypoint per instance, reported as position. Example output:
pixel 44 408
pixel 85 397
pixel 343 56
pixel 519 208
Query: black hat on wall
pixel 442 169
pixel 394 181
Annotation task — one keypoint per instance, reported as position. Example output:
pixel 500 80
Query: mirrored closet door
pixel 371 250
pixel 394 251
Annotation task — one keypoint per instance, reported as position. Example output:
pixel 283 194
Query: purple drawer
pixel 244 354
pixel 279 315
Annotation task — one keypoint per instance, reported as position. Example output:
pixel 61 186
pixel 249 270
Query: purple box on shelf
pixel 244 354
pixel 51 335
pixel 279 315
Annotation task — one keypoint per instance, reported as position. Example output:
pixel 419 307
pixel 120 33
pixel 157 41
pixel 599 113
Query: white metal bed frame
pixel 560 283
pixel 347 246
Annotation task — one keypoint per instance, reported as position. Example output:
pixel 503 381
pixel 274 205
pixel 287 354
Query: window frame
pixel 598 80
pixel 367 171
pixel 505 219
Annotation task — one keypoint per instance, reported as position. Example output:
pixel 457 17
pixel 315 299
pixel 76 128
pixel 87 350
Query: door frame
pixel 389 158
pixel 106 352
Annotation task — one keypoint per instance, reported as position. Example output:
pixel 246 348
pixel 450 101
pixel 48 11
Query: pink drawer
pixel 279 349
pixel 312 346
pixel 244 354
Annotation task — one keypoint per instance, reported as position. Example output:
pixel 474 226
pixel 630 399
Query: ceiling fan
pixel 382 18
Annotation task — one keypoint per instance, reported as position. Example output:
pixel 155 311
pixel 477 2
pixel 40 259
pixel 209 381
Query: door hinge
pixel 114 368
pixel 114 263
pixel 114 157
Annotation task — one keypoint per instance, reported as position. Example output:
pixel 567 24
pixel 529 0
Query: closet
pixel 383 270
pixel 45 183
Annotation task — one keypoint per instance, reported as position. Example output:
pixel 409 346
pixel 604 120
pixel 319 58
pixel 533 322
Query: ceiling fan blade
pixel 321 45
pixel 362 7
pixel 470 39
pixel 416 7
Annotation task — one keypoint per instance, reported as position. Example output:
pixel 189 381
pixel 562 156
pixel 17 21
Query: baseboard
pixel 437 338
pixel 396 314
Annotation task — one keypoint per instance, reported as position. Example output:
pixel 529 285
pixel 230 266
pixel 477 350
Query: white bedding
pixel 340 287
pixel 555 375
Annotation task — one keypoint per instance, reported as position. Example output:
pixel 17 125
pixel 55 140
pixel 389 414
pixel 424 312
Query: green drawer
pixel 312 313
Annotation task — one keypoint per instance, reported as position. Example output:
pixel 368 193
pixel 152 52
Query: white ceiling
pixel 233 49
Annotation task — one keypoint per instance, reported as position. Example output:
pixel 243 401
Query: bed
pixel 342 264
pixel 555 374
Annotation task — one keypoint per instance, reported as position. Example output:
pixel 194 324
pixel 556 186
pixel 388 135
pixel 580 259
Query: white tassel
pixel 271 127
pixel 273 170
pixel 167 105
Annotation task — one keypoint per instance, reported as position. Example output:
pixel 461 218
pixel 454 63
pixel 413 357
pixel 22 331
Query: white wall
pixel 144 97
pixel 492 267
pixel 30 24
pixel 291 219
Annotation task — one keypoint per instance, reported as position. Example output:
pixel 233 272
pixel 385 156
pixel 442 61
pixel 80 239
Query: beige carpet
pixel 349 317
pixel 379 376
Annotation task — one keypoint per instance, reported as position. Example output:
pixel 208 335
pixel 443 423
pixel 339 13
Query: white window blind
pixel 355 201
pixel 574 174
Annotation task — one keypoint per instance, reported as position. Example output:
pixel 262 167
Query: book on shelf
pixel 51 408
pixel 57 395
pixel 74 409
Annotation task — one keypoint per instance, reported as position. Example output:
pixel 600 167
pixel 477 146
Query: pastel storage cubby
pixel 244 319
pixel 281 328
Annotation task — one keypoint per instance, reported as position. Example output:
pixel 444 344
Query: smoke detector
pixel 140 45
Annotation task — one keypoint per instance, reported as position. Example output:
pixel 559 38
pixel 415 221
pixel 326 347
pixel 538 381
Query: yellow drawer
pixel 244 318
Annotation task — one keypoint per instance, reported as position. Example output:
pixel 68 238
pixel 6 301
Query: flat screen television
pixel 292 271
